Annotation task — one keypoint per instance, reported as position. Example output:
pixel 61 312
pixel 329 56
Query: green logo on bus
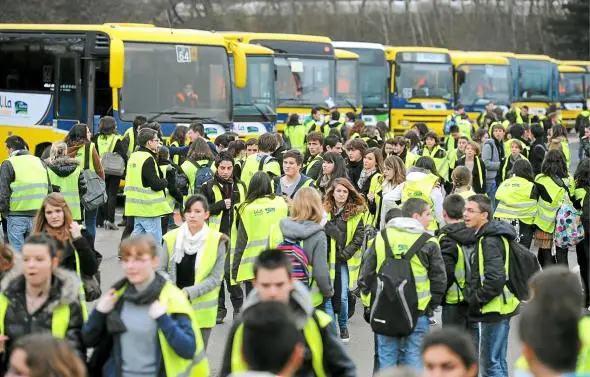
pixel 21 107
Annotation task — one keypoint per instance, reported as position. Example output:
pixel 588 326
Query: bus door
pixel 68 101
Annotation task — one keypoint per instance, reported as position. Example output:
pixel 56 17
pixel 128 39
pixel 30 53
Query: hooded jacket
pixel 494 256
pixel 453 235
pixel 18 322
pixel 492 159
pixel 63 167
pixel 430 257
pixel 336 360
pixel 315 246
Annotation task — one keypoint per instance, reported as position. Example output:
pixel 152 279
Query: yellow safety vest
pixel 142 201
pixel 410 159
pixel 442 163
pixel 260 220
pixel 313 339
pixel 82 294
pixel 375 188
pixel 106 143
pixel 421 189
pixel 505 165
pixel 402 242
pixel 506 302
pixel 580 194
pixel 176 302
pixel 81 155
pixel 311 163
pixel 455 294
pixel 296 135
pixel 450 143
pixel 176 158
pixel 131 135
pixel 327 129
pixel 251 167
pixel 169 198
pixel 68 187
pixel 205 306
pixel 547 211
pixel 60 318
pixel 465 128
pixel 311 125
pixel 524 150
pixel 215 220
pixel 191 170
pixel 514 200
pixel 354 263
pixel 30 185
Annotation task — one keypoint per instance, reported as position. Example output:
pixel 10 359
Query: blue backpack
pixel 204 174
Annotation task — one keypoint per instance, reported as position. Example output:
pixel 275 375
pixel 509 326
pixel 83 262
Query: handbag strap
pixel 111 145
pixel 417 246
pixel 86 156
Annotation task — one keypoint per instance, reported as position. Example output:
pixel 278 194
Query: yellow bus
pixel 374 80
pixel 305 71
pixel 479 79
pixel 54 76
pixel 347 96
pixel 254 105
pixel 586 65
pixel 421 87
pixel 571 93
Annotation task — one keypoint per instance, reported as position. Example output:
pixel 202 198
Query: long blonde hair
pixel 399 169
pixel 307 205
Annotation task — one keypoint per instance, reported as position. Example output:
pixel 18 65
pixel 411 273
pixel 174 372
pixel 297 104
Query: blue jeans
pixel 150 225
pixel 90 222
pixel 392 351
pixel 17 228
pixel 494 348
pixel 491 189
pixel 328 308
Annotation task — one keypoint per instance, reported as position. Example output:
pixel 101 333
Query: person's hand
pixel 156 310
pixel 75 230
pixel 227 203
pixel 371 196
pixel 107 302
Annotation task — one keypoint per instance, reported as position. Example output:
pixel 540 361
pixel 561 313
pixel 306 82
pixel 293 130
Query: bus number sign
pixel 183 54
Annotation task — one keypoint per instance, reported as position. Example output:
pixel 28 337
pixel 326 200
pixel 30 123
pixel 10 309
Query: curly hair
pixel 355 203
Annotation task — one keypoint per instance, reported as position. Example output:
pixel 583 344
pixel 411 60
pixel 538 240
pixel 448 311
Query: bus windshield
pixel 374 74
pixel 175 82
pixel 304 81
pixel 424 80
pixel 259 93
pixel 534 80
pixel 347 78
pixel 484 83
pixel 571 86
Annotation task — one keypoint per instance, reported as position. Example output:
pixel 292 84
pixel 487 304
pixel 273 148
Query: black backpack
pixel 522 265
pixel 394 310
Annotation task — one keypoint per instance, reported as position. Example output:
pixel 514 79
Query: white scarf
pixel 189 244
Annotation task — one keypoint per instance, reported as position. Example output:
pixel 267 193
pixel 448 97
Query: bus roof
pixel 247 37
pixel 366 45
pixel 462 57
pixel 127 32
pixel 533 57
pixel 396 49
pixel 505 54
pixel 255 49
pixel 345 55
pixel 563 68
pixel 578 63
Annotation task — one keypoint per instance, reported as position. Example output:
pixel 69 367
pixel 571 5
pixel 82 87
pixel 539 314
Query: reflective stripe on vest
pixel 30 184
pixel 422 189
pixel 442 163
pixel 403 243
pixel 257 218
pixel 546 212
pixel 82 293
pixel 142 201
pixel 313 161
pixel 252 164
pixel 506 302
pixel 313 340
pixel 176 302
pixel 60 318
pixel 169 198
pixel 131 146
pixel 68 187
pixel 514 200
pixel 454 294
pixel 205 306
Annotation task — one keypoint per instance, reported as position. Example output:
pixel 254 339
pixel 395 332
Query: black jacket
pixel 537 154
pixel 452 235
pixel 171 169
pixel 151 176
pixel 18 322
pixel 315 169
pixel 479 186
pixel 354 172
pixel 86 254
pixel 494 256
pixel 229 190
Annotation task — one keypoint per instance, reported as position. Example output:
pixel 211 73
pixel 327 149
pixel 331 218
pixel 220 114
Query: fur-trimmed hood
pixel 65 286
pixel 62 166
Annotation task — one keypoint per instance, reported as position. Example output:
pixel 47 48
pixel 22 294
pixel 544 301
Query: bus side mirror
pixel 240 65
pixel 117 63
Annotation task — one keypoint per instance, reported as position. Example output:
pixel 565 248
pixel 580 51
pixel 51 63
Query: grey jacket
pixel 430 257
pixel 209 283
pixel 336 360
pixel 315 245
pixel 491 160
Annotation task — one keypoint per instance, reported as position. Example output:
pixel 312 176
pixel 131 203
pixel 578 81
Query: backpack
pixel 569 230
pixel 265 160
pixel 522 265
pixel 448 124
pixel 204 174
pixel 299 261
pixel 96 193
pixel 181 181
pixel 394 310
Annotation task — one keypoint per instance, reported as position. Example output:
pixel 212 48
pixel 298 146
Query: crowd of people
pixel 296 227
